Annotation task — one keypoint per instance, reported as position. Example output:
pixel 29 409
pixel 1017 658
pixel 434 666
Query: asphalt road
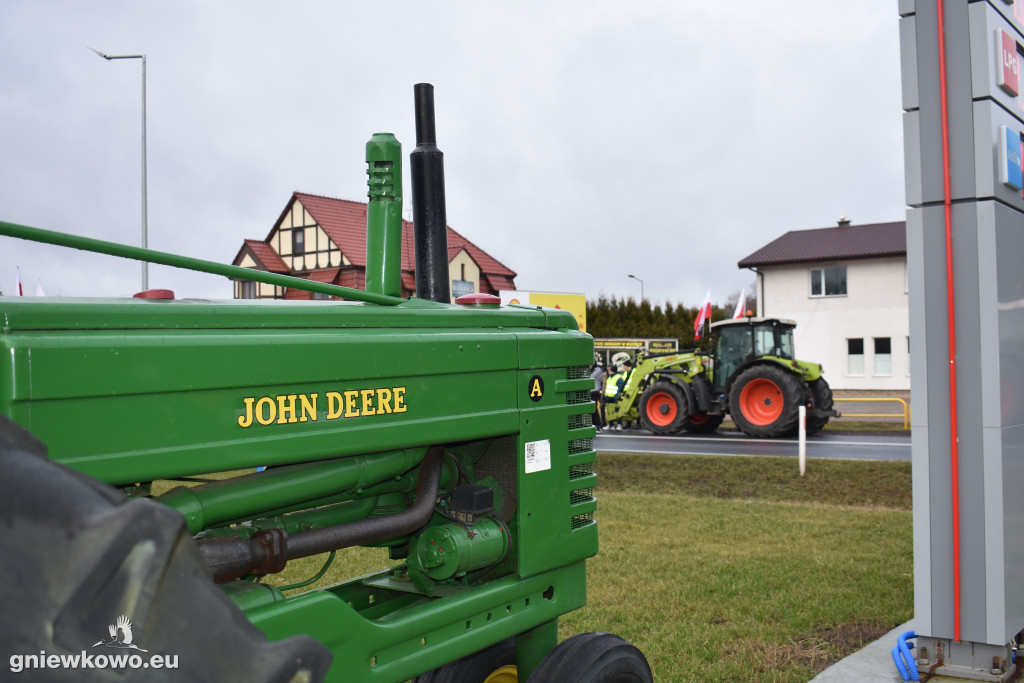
pixel 821 445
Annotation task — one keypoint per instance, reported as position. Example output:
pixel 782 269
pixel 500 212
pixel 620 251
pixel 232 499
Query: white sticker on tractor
pixel 538 456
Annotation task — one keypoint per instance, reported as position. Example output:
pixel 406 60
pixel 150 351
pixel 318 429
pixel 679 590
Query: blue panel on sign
pixel 460 287
pixel 1010 157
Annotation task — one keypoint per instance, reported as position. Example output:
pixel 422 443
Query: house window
pixel 829 281
pixel 855 356
pixel 298 241
pixel 248 289
pixel 883 356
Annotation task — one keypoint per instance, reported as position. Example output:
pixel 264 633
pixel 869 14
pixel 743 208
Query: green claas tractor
pixel 749 373
pixel 456 438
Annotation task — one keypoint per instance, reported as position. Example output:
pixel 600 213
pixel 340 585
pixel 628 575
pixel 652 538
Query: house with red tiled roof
pixel 324 239
pixel 846 288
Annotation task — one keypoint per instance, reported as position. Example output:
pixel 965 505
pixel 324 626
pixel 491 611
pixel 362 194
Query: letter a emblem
pixel 536 388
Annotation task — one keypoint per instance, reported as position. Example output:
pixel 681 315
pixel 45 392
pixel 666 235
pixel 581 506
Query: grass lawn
pixel 736 569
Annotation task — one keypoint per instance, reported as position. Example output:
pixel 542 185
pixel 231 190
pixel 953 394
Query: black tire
pixel 497 662
pixel 765 401
pixel 664 408
pixel 703 423
pixel 593 658
pixel 81 556
pixel 821 399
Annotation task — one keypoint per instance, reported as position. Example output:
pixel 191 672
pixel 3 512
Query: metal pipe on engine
pixel 429 219
pixel 269 550
pixel 256 494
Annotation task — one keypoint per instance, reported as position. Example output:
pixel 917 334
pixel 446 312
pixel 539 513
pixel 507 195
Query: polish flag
pixel 20 292
pixel 741 305
pixel 703 314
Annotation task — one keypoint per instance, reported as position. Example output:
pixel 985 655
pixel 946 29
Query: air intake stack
pixel 384 215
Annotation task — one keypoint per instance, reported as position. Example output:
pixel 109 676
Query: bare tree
pixel 751 297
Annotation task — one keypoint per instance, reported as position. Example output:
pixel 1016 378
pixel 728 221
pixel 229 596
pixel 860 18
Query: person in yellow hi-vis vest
pixel 623 365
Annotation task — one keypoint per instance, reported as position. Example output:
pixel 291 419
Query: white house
pixel 846 288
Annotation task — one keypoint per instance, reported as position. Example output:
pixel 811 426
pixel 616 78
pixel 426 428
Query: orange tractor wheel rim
pixel 661 409
pixel 761 402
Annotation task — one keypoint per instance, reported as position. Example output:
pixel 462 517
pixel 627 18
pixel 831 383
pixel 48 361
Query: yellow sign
pixel 574 303
pixel 295 408
pixel 618 343
pixel 663 345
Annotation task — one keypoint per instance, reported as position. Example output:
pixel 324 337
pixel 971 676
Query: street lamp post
pixel 641 286
pixel 145 211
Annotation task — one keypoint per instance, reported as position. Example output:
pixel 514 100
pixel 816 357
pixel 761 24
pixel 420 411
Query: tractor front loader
pixel 749 373
pixel 456 436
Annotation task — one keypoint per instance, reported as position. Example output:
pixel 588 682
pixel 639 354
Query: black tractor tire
pixel 83 560
pixel 664 408
pixel 496 664
pixel 765 400
pixel 703 423
pixel 821 399
pixel 593 658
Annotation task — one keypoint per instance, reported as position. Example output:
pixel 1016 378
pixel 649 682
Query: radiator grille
pixel 581 470
pixel 580 473
pixel 580 446
pixel 582 520
pixel 577 372
pixel 577 397
pixel 581 496
pixel 579 421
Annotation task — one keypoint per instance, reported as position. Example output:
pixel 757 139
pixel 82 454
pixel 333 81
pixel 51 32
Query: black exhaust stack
pixel 429 221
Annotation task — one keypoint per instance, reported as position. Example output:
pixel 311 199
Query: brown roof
pixel 344 222
pixel 500 282
pixel 264 255
pixel 292 294
pixel 326 275
pixel 352 278
pixel 844 242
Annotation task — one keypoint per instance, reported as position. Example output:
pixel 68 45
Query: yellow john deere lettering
pixel 295 408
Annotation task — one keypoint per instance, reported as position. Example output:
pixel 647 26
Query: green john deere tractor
pixel 456 438
pixel 749 373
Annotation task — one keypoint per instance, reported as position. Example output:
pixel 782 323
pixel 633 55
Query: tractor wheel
pixel 765 401
pixel 494 664
pixel 703 423
pixel 593 658
pixel 83 563
pixel 821 399
pixel 664 408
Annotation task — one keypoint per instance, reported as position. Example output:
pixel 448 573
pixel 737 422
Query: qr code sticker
pixel 538 456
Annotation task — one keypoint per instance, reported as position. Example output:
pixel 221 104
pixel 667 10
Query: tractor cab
pixel 735 343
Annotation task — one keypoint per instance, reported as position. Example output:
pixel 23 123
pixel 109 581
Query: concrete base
pixel 872 664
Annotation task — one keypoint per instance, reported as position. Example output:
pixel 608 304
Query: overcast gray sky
pixel 583 140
